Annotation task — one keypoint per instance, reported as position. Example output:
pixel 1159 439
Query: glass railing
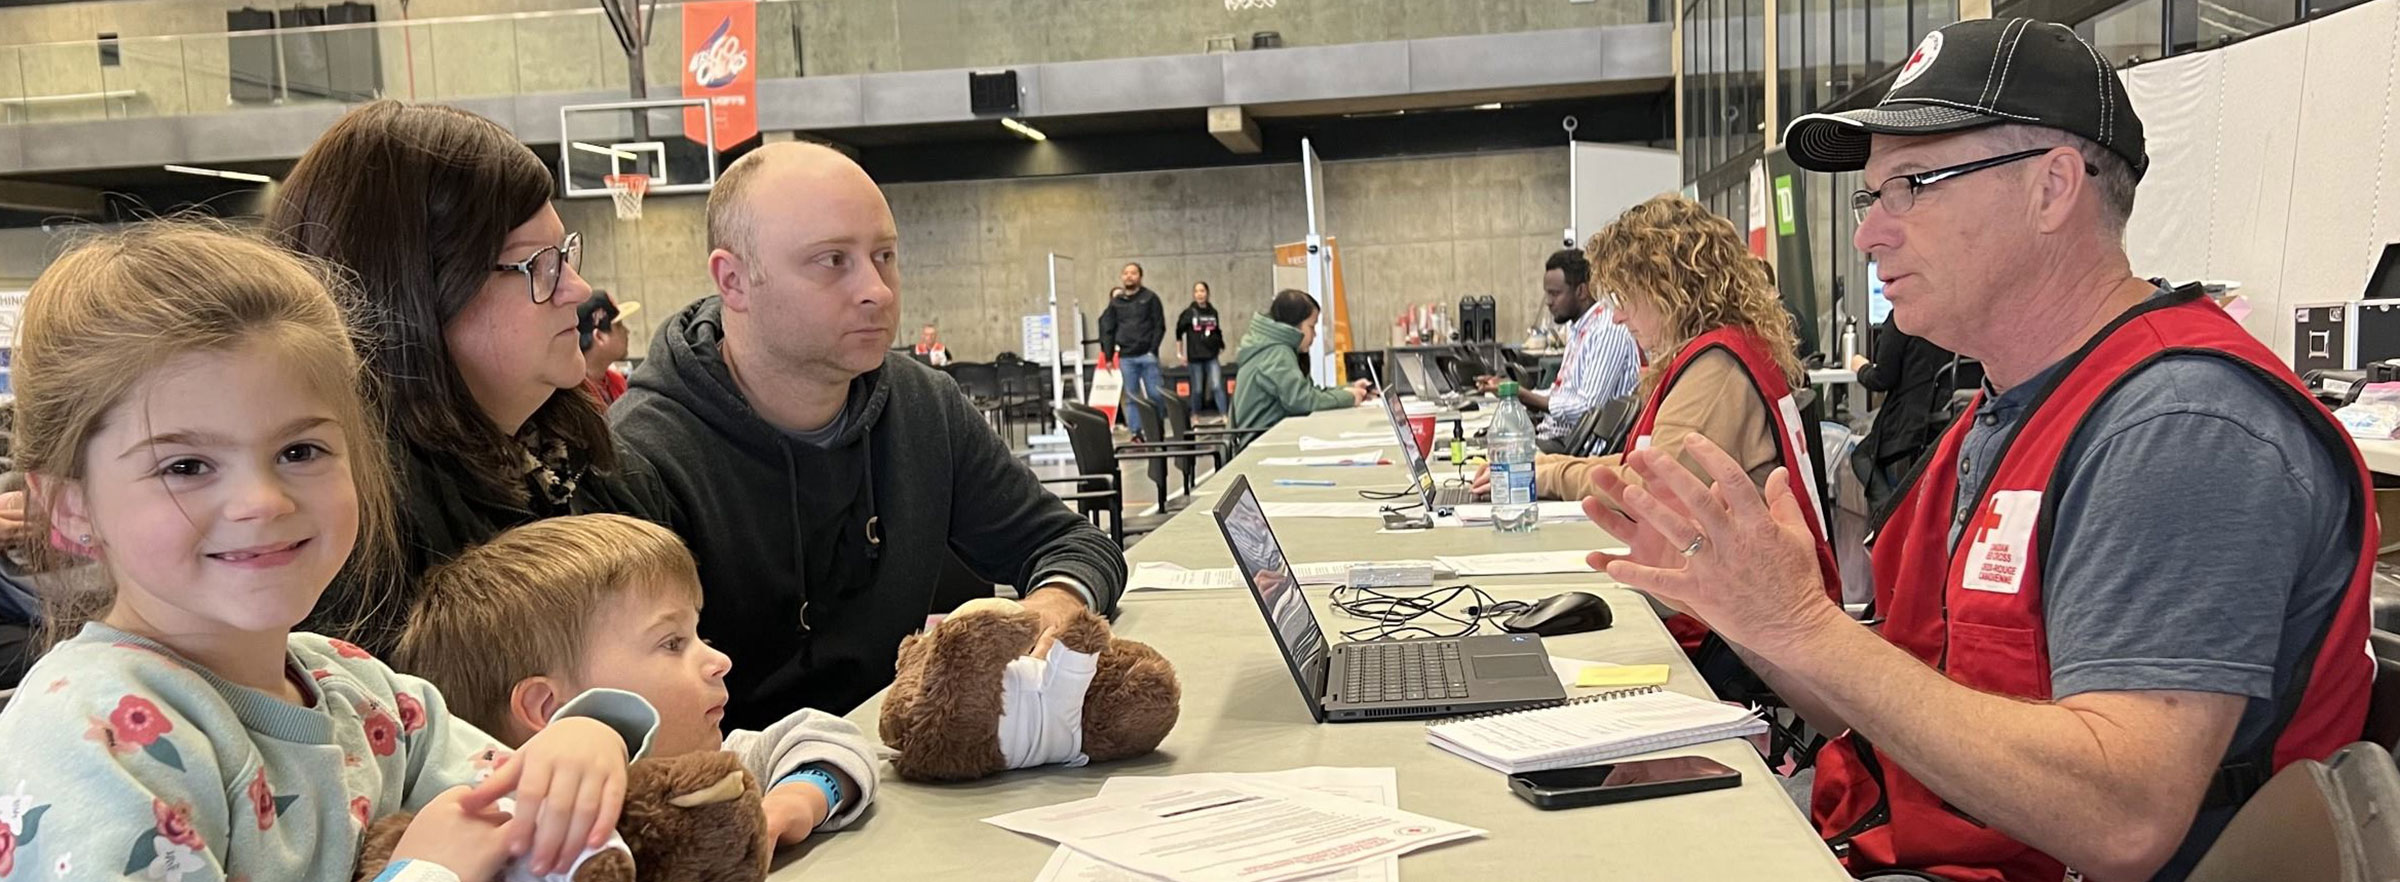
pixel 576 49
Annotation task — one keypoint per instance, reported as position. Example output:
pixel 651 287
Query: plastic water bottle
pixel 1512 452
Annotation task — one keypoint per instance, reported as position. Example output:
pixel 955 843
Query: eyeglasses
pixel 544 269
pixel 1899 194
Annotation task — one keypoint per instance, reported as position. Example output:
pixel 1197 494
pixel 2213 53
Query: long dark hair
pixel 416 201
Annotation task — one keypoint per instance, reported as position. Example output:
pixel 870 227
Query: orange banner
pixel 717 41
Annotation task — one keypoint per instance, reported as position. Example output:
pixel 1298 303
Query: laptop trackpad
pixel 1502 667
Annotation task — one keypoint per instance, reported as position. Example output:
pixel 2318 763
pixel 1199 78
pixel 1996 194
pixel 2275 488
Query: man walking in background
pixel 1130 329
pixel 1198 341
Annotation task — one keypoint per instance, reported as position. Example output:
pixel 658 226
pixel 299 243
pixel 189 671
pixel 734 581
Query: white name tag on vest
pixel 2000 542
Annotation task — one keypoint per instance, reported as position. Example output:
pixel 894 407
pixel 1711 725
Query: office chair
pixel 1154 436
pixel 1602 428
pixel 1099 489
pixel 2383 704
pixel 2315 822
pixel 1179 426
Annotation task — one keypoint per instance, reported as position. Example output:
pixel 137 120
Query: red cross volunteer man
pixel 2125 589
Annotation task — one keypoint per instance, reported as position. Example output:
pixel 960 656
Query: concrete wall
pixel 573 48
pixel 973 252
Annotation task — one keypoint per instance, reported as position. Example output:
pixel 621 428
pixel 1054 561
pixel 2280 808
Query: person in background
pixel 599 321
pixel 464 278
pixel 823 480
pixel 1131 328
pixel 1273 385
pixel 1602 362
pixel 1199 340
pixel 930 348
pixel 1906 370
pixel 517 625
pixel 2073 662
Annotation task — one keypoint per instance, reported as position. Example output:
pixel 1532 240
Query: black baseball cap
pixel 1981 73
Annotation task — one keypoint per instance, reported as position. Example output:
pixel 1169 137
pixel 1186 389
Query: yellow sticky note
pixel 1620 676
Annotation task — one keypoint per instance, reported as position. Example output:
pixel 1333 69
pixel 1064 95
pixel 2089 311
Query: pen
pixel 1290 482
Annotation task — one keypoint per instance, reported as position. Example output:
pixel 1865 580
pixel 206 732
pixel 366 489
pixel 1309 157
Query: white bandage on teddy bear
pixel 1041 708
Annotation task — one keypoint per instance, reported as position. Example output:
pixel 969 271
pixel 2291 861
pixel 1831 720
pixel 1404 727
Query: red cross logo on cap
pixel 1919 60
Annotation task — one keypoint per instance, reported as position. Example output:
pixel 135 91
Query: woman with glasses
pixel 464 295
pixel 1721 360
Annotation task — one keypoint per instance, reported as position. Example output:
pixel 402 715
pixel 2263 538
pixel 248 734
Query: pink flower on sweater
pixel 137 721
pixel 175 824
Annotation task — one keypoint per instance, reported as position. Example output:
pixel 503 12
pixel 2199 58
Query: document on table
pixel 1554 511
pixel 1375 786
pixel 1220 828
pixel 1310 443
pixel 1529 563
pixel 1157 575
pixel 1356 458
pixel 1363 510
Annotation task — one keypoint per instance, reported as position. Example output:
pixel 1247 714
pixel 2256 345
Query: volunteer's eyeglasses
pixel 544 269
pixel 1899 194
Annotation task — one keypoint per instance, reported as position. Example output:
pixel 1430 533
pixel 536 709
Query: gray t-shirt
pixel 2201 542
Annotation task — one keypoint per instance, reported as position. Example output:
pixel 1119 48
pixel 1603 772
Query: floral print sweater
pixel 120 759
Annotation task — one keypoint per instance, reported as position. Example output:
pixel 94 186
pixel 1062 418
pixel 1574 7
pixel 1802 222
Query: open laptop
pixel 1385 679
pixel 1439 498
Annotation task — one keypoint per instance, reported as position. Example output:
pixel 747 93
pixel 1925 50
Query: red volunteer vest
pixel 1774 393
pixel 1984 629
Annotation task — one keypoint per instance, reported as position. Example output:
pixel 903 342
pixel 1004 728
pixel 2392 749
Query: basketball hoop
pixel 1239 5
pixel 627 190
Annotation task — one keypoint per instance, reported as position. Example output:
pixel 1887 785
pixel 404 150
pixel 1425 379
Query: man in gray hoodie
pixel 822 481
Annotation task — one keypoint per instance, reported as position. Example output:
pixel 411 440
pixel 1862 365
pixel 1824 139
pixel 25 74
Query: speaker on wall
pixel 992 91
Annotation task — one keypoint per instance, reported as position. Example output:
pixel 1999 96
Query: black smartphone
pixel 1622 782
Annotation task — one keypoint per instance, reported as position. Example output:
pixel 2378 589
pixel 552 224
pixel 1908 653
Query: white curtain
pixel 2273 163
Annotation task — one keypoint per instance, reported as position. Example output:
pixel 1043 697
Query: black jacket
pixel 1909 372
pixel 1202 335
pixel 1133 325
pixel 441 515
pixel 817 561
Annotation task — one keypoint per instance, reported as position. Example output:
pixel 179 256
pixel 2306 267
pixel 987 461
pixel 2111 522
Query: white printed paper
pixel 1529 563
pixel 1373 786
pixel 1314 444
pixel 1356 458
pixel 1363 510
pixel 1156 575
pixel 1551 512
pixel 1220 828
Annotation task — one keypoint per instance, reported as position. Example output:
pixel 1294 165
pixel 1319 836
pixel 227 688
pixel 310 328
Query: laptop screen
pixel 1262 565
pixel 1420 380
pixel 1418 471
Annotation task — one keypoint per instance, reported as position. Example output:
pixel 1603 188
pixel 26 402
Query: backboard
pixel 665 138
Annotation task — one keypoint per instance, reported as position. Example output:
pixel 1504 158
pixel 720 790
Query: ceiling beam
pixel 40 197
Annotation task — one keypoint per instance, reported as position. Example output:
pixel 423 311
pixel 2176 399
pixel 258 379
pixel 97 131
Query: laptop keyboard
pixel 1454 496
pixel 1416 670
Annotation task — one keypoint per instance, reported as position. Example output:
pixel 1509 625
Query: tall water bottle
pixel 1512 452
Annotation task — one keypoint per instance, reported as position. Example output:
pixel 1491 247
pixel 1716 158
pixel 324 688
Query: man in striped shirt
pixel 1602 362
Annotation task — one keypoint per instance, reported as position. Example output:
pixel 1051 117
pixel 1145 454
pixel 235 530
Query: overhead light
pixel 221 173
pixel 1030 133
pixel 1492 106
pixel 605 151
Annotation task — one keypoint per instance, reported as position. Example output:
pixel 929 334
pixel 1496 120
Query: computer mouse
pixel 1571 613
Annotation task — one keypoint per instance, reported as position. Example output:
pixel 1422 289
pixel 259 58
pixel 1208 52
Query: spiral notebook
pixel 1592 729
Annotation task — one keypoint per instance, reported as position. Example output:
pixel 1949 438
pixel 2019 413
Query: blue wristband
pixel 823 779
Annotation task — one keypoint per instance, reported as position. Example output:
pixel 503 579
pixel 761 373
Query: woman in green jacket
pixel 1272 384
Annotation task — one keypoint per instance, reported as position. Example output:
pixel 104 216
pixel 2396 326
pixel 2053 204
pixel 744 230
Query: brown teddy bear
pixel 690 818
pixel 969 700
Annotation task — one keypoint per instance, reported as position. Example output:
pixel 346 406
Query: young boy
pixel 515 627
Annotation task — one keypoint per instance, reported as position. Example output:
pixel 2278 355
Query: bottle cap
pixel 1508 388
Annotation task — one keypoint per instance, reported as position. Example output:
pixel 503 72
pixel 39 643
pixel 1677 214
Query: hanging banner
pixel 717 41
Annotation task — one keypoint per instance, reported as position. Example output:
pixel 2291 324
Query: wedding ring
pixel 1694 548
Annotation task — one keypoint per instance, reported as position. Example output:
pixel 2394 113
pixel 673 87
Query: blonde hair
pixel 1675 257
pixel 118 307
pixel 522 605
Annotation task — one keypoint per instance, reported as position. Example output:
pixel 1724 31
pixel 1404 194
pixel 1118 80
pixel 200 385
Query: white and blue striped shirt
pixel 1602 364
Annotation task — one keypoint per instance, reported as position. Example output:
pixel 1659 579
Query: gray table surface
pixel 1242 713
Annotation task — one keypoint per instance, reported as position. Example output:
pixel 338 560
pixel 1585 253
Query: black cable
pixel 1395 616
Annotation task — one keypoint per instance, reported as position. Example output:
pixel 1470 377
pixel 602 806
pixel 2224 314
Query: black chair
pixel 1098 488
pixel 1603 428
pixel 1155 436
pixel 2383 704
pixel 1179 428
